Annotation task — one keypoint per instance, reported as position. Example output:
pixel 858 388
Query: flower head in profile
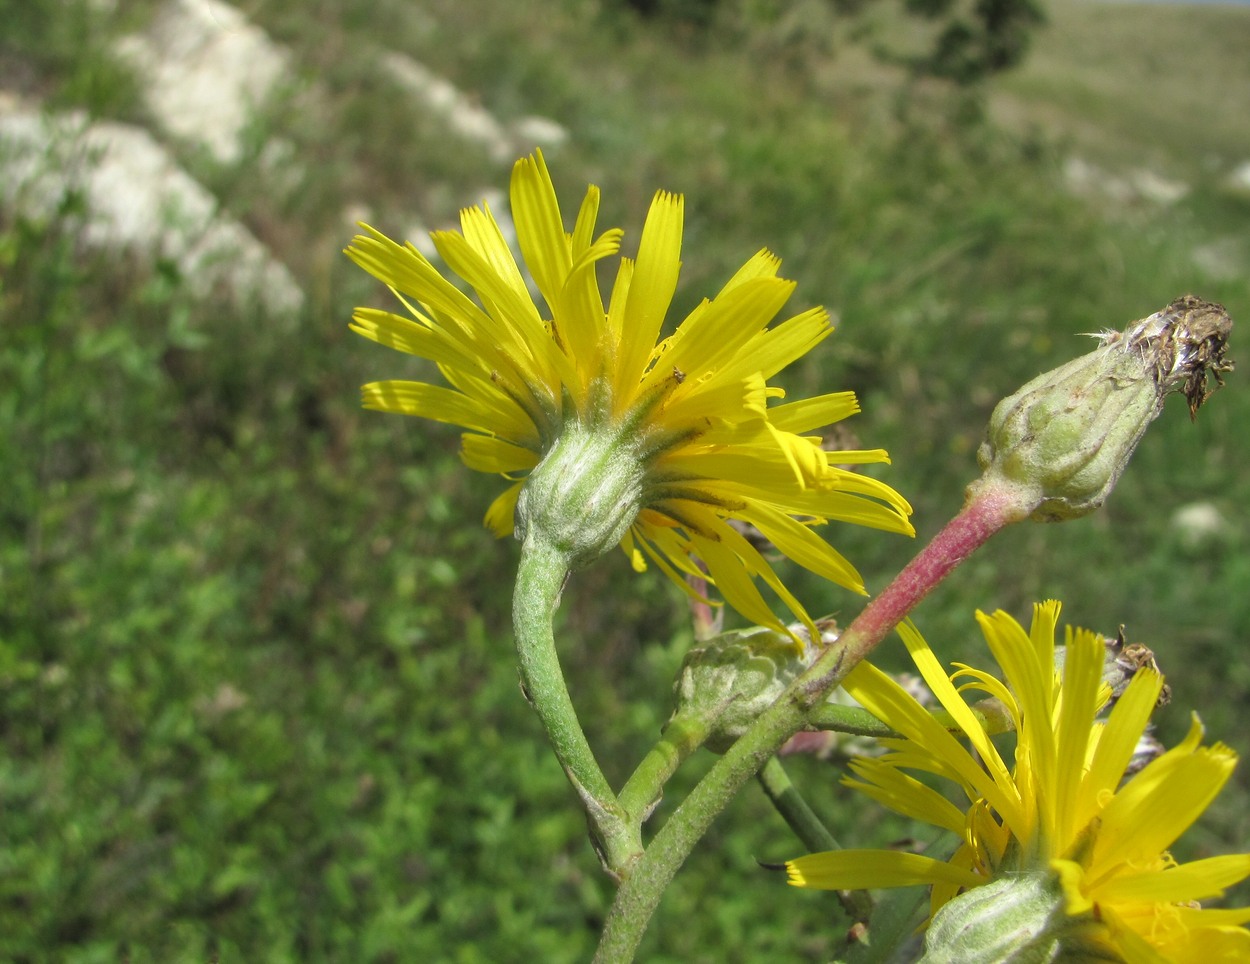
pixel 610 430
pixel 1063 811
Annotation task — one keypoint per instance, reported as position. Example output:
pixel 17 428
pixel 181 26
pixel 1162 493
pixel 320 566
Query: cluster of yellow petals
pixel 694 404
pixel 1063 806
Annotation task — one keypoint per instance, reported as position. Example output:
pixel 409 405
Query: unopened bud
pixel 729 680
pixel 583 496
pixel 1014 919
pixel 1068 434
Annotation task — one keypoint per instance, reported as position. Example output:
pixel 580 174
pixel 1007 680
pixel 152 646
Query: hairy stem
pixel 809 828
pixel 540 579
pixel 681 737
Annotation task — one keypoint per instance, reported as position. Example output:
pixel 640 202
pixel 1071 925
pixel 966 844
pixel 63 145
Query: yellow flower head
pixel 691 410
pixel 1062 810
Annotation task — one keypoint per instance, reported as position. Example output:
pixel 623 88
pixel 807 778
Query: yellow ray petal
pixel 798 542
pixel 669 541
pixel 1082 678
pixel 858 869
pixel 673 561
pixel 1194 917
pixel 584 229
pixel 887 701
pixel 762 264
pixel 854 498
pixel 1030 682
pixel 412 338
pixel 578 313
pixel 1130 945
pixel 1118 742
pixel 1161 802
pixel 406 269
pixel 755 469
pixel 1206 944
pixel 734 583
pixel 906 795
pixel 1196 880
pixel 653 282
pixel 815 412
pixel 539 227
pixel 513 319
pixel 804 455
pixel 773 349
pixel 485 453
pixel 732 405
pixel 706 340
pixel 502 512
pixel 489 416
pixel 482 232
pixel 961 714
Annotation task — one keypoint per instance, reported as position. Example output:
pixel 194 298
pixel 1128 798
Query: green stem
pixel 989 509
pixel 802 819
pixel 540 579
pixel 851 720
pixel 681 737
pixel 857 721
pixel 810 829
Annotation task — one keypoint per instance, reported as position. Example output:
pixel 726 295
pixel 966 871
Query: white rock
pixel 1086 179
pixel 1154 187
pixel 529 132
pixel 1221 259
pixel 419 235
pixel 1198 524
pixel 205 70
pixel 464 116
pixel 136 198
pixel 1239 178
pixel 357 213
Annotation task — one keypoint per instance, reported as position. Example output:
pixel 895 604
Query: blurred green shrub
pixel 965 41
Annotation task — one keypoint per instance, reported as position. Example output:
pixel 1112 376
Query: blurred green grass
pixel 256 689
pixel 1159 84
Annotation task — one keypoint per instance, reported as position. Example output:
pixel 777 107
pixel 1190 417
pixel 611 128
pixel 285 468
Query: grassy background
pixel 257 699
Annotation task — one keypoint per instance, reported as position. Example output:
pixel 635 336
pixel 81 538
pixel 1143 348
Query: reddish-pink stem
pixel 990 507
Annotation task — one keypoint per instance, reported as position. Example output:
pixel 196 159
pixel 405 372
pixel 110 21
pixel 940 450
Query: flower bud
pixel 583 496
pixel 1013 919
pixel 729 680
pixel 1069 433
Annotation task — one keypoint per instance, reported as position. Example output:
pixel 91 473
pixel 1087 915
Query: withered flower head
pixel 1064 438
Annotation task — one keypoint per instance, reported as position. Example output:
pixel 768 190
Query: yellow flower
pixel 1062 811
pixel 691 408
